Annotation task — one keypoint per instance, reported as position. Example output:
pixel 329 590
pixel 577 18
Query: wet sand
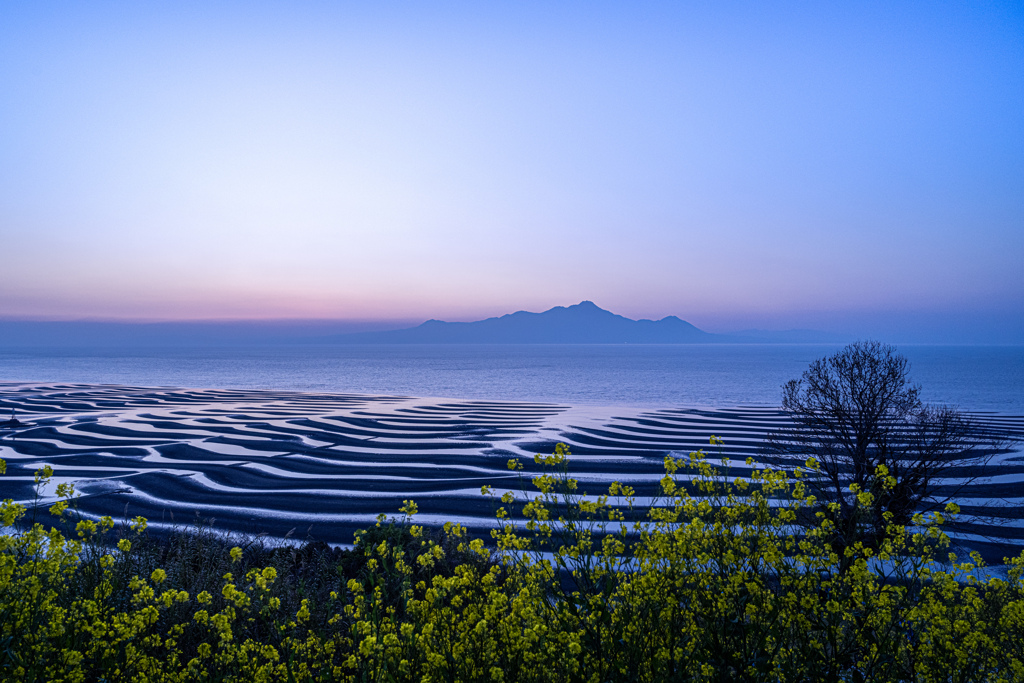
pixel 323 465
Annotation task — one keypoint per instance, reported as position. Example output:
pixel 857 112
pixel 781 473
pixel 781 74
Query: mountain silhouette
pixel 583 323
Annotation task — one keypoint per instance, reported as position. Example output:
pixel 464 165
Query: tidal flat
pixel 319 466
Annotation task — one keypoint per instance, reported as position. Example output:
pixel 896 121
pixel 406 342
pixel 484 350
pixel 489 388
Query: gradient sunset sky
pixel 836 166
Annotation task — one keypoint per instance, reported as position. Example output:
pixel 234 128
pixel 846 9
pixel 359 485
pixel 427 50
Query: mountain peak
pixel 583 307
pixel 582 323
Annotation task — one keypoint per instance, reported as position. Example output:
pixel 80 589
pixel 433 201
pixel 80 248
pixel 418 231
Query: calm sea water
pixel 974 377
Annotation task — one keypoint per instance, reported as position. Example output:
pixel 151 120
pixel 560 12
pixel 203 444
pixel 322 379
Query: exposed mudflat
pixel 324 465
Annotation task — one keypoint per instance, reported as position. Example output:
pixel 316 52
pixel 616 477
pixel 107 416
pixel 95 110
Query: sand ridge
pixel 273 461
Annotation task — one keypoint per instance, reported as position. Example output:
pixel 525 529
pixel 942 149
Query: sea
pixel 973 378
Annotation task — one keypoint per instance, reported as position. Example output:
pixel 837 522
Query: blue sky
pixel 856 167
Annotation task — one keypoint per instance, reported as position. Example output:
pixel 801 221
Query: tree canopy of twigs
pixel 857 410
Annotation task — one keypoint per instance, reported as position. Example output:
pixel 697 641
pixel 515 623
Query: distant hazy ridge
pixel 584 323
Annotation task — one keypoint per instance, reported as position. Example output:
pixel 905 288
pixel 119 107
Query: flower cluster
pixel 717 578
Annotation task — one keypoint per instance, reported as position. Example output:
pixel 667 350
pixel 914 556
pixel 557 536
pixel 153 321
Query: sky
pixel 854 167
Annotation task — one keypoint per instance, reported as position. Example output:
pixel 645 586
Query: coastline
pixel 321 465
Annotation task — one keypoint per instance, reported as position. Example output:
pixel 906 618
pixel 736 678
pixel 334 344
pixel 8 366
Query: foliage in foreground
pixel 713 582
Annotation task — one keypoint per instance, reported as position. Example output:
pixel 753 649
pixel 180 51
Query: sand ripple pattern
pixel 324 465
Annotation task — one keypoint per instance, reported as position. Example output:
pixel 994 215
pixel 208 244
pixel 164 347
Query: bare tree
pixel 856 410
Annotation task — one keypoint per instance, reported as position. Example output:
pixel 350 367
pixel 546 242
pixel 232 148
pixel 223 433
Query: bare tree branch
pixel 855 411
